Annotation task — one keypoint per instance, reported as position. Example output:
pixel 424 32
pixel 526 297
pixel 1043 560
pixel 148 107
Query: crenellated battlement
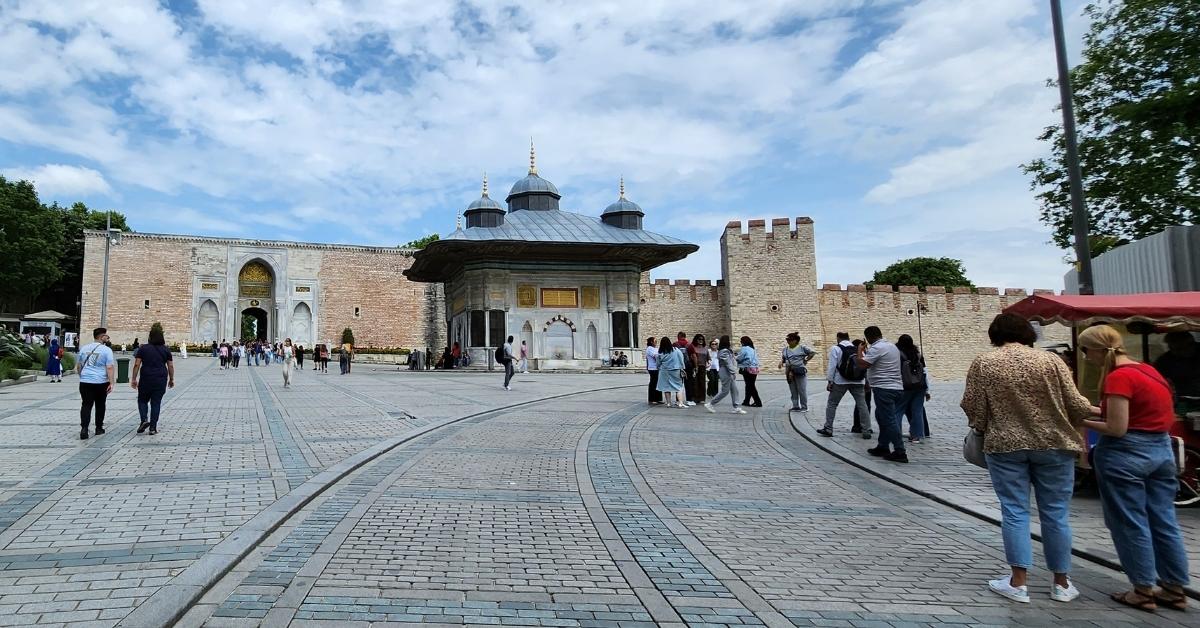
pixel 933 290
pixel 756 228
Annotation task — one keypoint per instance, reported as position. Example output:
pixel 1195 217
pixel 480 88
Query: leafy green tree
pixel 923 271
pixel 63 293
pixel 1138 111
pixel 347 336
pixel 249 328
pixel 31 237
pixel 420 243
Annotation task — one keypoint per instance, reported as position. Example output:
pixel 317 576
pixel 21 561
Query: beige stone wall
pixel 771 284
pixel 954 325
pixel 392 310
pixel 669 307
pixel 140 268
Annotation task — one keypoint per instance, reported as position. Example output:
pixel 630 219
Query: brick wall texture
pixel 769 288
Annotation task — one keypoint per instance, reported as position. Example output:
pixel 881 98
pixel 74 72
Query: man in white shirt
pixel 838 385
pixel 507 354
pixel 882 361
pixel 97 373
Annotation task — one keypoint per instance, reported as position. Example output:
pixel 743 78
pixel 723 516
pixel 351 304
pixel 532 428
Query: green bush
pixel 9 370
pixel 68 362
pixel 347 336
pixel 13 347
pixel 383 350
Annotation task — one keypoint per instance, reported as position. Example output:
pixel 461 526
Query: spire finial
pixel 458 222
pixel 532 158
pixel 485 184
pixel 622 187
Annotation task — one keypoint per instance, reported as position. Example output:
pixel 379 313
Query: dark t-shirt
pixel 1184 372
pixel 154 362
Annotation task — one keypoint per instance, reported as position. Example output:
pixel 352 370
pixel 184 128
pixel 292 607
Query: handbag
pixel 973 448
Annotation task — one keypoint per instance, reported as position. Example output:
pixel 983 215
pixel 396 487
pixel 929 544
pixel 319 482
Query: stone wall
pixel 140 269
pixel 391 309
pixel 669 307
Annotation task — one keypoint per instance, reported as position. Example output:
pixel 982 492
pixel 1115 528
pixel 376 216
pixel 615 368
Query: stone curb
pixel 990 515
pixel 167 605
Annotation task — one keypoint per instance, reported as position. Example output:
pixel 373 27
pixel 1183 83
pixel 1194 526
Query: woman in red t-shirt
pixel 1135 470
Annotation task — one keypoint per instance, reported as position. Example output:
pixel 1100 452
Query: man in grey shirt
pixel 838 385
pixel 882 361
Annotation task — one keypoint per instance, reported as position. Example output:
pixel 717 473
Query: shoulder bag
pixel 973 448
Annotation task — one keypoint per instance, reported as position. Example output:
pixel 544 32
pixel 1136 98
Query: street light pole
pixel 1079 219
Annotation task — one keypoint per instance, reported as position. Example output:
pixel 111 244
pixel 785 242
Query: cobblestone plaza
pixel 388 498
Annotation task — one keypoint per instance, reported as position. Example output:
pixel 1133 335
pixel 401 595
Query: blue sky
pixel 898 126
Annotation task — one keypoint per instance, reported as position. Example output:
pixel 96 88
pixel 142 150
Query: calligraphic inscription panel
pixel 591 297
pixel 560 297
pixel 526 296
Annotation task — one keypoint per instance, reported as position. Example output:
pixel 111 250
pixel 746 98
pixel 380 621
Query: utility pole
pixel 1079 219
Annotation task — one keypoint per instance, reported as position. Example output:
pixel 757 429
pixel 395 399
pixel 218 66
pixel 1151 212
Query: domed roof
pixel 533 183
pixel 623 204
pixel 484 201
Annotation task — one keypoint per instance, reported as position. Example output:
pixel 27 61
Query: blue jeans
pixel 1136 476
pixel 887 415
pixel 1052 474
pixel 912 405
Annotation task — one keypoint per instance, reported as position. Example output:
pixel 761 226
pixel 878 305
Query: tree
pixel 63 293
pixel 347 336
pixel 420 243
pixel 156 327
pixel 249 328
pixel 30 244
pixel 1138 112
pixel 923 271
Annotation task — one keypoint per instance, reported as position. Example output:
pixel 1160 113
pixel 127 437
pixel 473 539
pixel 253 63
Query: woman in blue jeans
pixel 1025 403
pixel 1135 471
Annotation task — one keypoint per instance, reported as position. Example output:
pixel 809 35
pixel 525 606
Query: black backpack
pixel 500 357
pixel 912 373
pixel 848 367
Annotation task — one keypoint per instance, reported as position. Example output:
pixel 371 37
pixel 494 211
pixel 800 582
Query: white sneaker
pixel 1064 594
pixel 690 403
pixel 737 411
pixel 1003 587
pixel 708 406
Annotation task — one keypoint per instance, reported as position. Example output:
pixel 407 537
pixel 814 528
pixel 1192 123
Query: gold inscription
pixel 210 285
pixel 591 297
pixel 526 296
pixel 303 289
pixel 560 297
pixel 458 304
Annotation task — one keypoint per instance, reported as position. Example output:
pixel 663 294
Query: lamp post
pixel 1079 219
pixel 111 237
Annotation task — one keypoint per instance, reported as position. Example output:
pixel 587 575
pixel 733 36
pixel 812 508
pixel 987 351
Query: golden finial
pixel 485 185
pixel 622 187
pixel 458 222
pixel 532 158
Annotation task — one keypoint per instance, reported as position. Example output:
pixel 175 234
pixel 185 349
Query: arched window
pixel 208 322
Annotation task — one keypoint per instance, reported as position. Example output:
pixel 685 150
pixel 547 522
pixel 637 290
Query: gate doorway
pixel 254 324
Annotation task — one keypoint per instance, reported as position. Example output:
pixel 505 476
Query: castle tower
pixel 771 285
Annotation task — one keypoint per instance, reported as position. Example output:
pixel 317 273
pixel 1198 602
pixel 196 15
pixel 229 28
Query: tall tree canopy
pixel 1137 102
pixel 923 271
pixel 62 294
pixel 31 238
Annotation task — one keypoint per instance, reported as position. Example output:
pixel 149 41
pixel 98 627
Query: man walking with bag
pixel 505 355
pixel 97 373
pixel 843 375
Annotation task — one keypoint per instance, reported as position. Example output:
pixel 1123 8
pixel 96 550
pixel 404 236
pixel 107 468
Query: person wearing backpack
pixel 794 359
pixel 843 375
pixel 916 387
pixel 504 355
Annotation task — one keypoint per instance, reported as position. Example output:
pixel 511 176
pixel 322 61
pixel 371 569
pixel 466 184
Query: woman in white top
pixel 288 353
pixel 654 396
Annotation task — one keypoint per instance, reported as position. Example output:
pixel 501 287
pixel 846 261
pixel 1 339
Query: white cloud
pixel 61 182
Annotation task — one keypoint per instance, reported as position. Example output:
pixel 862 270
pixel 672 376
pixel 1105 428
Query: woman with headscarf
pixel 54 361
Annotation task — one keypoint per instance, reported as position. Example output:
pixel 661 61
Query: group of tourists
pixel 258 353
pixel 1024 405
pixel 687 373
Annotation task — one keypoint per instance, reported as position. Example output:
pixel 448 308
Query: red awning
pixel 1167 308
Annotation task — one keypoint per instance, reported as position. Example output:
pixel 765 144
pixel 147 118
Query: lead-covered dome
pixel 624 213
pixel 484 211
pixel 533 192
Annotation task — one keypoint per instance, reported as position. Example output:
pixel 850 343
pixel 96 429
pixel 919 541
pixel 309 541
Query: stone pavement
pixel 394 498
pixel 937 468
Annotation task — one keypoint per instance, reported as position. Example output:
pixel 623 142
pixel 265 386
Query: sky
pixel 899 127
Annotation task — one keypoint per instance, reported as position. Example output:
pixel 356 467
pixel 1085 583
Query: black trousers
pixel 713 380
pixel 653 395
pixel 700 386
pixel 92 395
pixel 752 399
pixel 688 384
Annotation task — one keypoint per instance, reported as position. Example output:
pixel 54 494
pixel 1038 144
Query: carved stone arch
pixel 301 325
pixel 559 319
pixel 208 321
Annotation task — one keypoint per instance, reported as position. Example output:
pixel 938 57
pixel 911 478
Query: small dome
pixel 484 202
pixel 623 205
pixel 533 183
